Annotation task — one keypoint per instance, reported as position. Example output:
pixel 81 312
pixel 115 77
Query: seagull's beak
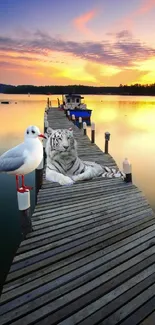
pixel 42 136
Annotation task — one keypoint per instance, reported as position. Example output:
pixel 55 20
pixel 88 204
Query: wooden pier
pixel 91 257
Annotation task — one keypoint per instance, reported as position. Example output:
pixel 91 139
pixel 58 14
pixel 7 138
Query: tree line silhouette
pixel 133 90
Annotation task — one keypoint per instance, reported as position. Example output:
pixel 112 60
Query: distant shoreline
pixel 123 90
pixel 92 94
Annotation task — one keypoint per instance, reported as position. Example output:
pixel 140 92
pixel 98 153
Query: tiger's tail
pixel 112 173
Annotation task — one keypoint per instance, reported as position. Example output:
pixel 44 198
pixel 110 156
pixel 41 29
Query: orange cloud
pixel 81 22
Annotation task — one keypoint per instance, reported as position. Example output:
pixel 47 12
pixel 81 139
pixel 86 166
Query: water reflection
pixel 131 122
pixel 14 119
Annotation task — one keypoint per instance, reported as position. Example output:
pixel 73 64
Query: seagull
pixel 24 158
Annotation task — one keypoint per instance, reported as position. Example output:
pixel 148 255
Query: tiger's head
pixel 60 141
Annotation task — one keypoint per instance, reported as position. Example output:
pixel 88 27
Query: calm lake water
pixel 131 122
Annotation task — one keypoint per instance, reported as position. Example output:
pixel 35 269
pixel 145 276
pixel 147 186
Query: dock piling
pixel 80 122
pixel 127 169
pixel 46 125
pixel 73 118
pixel 93 133
pixel 39 178
pixel 68 115
pixel 44 151
pixel 84 128
pixel 107 138
pixel 24 207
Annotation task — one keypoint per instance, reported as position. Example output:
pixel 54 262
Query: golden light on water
pixel 143 119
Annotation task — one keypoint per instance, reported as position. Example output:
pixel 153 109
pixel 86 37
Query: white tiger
pixel 63 164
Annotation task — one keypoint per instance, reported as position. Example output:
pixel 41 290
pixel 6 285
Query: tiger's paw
pixel 75 178
pixel 66 181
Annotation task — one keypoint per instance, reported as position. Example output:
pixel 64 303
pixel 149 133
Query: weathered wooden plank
pixel 83 185
pixel 104 212
pixel 81 196
pixel 66 304
pixel 150 320
pixel 60 252
pixel 107 304
pixel 103 224
pixel 109 253
pixel 139 232
pixel 85 216
pixel 95 269
pixel 126 310
pixel 78 198
pixel 77 239
pixel 76 193
pixel 86 203
pixel 84 223
pixel 56 211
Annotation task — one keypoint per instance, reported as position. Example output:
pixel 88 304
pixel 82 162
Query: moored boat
pixel 74 104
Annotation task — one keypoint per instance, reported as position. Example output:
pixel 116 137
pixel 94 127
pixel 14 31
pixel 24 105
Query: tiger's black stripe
pixel 73 162
pixel 57 169
pixel 59 164
pixel 79 165
pixel 51 168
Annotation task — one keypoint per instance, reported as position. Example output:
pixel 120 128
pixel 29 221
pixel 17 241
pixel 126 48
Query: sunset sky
pixel 89 42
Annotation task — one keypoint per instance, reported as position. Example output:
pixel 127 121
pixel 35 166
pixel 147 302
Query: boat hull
pixel 84 113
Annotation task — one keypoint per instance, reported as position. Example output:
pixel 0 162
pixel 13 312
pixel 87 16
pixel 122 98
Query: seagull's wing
pixel 12 159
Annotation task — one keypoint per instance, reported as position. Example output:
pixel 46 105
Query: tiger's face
pixel 61 140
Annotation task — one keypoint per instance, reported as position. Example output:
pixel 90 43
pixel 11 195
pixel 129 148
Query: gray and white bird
pixel 24 158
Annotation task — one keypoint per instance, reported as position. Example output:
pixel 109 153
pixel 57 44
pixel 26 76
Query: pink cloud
pixel 128 22
pixel 81 22
pixel 146 6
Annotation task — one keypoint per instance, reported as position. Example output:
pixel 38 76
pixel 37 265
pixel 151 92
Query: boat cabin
pixel 73 101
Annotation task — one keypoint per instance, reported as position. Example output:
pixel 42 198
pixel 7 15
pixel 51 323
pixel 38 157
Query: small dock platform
pixel 91 257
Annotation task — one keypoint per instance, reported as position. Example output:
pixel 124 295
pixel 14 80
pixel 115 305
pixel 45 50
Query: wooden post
pixel 80 122
pixel 127 170
pixel 58 100
pixel 45 116
pixel 107 138
pixel 73 118
pixel 93 133
pixel 46 125
pixel 25 212
pixel 44 147
pixel 84 128
pixel 38 178
pixel 68 115
pixel 48 102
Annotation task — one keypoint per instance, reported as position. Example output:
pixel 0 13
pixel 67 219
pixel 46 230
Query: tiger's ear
pixel 49 131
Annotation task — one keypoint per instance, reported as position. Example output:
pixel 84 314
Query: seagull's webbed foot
pixel 23 188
